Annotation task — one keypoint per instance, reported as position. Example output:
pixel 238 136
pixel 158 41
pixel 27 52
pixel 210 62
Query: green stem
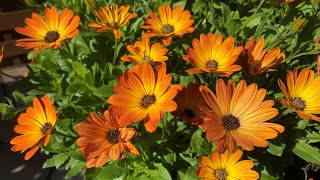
pixel 5 74
pixel 279 116
pixel 115 51
pixel 62 134
pixel 259 6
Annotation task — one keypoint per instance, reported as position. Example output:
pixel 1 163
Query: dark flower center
pixel 45 129
pixel 114 25
pixel 51 36
pixel 298 103
pixel 230 122
pixel 147 100
pixel 221 174
pixel 146 59
pixel 212 64
pixel 113 136
pixel 189 113
pixel 167 28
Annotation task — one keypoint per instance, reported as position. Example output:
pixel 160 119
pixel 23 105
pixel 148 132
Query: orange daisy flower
pixel 1 53
pixel 141 52
pixel 303 93
pixel 143 93
pixel 210 54
pixel 226 167
pixel 237 115
pixel 256 60
pixel 170 23
pixel 49 32
pixel 102 138
pixel 35 126
pixel 112 19
pixel 188 100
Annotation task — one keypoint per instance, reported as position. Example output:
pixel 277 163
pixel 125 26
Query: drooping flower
pixel 298 24
pixel 1 53
pixel 303 93
pixel 144 94
pixel 142 52
pixel 188 100
pixel 35 125
pixel 256 60
pixel 112 19
pixel 50 32
pixel 170 23
pixel 210 54
pixel 102 139
pixel 91 4
pixel 237 116
pixel 226 166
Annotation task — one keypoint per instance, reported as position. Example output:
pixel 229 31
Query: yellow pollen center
pixel 46 128
pixel 147 100
pixel 146 59
pixel 167 28
pixel 221 174
pixel 114 25
pixel 51 36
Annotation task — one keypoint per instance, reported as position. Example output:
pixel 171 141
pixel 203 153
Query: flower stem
pixel 62 134
pixel 115 50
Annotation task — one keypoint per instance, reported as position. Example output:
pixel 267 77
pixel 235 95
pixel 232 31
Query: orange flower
pixel 35 126
pixel 144 93
pixel 303 93
pixel 226 166
pixel 256 60
pixel 169 23
pixel 112 19
pixel 237 115
pixel 101 138
pixel 210 54
pixel 188 100
pixel 143 53
pixel 49 32
pixel 1 53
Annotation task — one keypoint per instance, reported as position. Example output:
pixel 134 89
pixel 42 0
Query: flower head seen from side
pixel 210 54
pixel 170 23
pixel 1 53
pixel 302 93
pixel 112 19
pixel 142 52
pixel 50 31
pixel 237 115
pixel 256 60
pixel 102 139
pixel 144 94
pixel 226 166
pixel 35 125
pixel 188 100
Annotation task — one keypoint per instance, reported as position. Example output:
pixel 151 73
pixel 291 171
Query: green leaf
pixel 19 97
pixel 75 169
pixel 276 146
pixel 56 160
pixel 190 174
pixel 80 69
pixel 161 173
pixel 307 152
pixel 110 171
pixel 198 144
pixel 4 108
pixel 104 91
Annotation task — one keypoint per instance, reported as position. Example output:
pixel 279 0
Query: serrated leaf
pixel 104 91
pixel 56 160
pixel 75 169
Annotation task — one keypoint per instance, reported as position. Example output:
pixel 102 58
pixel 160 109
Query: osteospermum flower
pixel 303 93
pixel 170 23
pixel 188 100
pixel 50 32
pixel 256 60
pixel 112 19
pixel 144 94
pixel 226 167
pixel 237 116
pixel 210 54
pixel 101 138
pixel 142 52
pixel 35 125
pixel 1 53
